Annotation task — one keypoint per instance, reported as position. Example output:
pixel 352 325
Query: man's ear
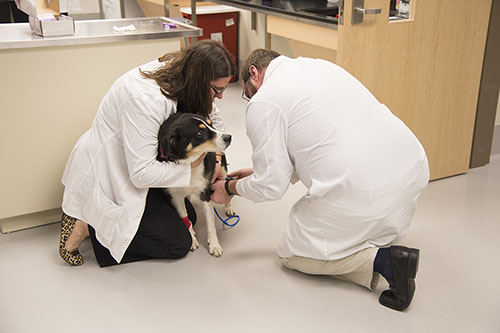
pixel 253 72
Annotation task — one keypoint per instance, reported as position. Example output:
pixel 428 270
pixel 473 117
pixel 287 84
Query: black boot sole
pixel 389 299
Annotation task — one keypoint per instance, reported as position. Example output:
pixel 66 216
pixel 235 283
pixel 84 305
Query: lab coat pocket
pixel 102 213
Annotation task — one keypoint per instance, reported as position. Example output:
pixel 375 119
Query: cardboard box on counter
pixel 45 18
pixel 61 26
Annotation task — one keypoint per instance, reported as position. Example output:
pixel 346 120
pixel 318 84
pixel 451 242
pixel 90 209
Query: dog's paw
pixel 195 245
pixel 229 210
pixel 215 250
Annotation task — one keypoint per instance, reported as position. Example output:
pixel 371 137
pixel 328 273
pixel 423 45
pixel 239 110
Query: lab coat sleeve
pixel 140 122
pixel 216 118
pixel 267 131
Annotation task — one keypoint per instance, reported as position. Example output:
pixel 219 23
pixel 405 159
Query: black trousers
pixel 161 233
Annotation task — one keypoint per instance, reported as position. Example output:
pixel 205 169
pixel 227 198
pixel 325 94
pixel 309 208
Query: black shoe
pixel 404 267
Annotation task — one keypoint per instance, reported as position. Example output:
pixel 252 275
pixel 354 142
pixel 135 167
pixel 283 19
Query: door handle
pixel 359 12
pixel 365 11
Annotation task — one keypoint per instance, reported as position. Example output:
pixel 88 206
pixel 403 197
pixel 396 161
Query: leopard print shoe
pixel 72 257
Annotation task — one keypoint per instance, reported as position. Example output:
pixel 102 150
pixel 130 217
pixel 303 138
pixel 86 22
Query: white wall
pixel 132 9
pixel 252 39
pixel 83 7
pixel 90 8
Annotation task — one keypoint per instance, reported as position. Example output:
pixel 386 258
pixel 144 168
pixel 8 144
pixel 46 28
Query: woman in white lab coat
pixel 113 181
pixel 310 120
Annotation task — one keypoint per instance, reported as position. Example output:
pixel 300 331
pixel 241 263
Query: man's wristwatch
pixel 226 187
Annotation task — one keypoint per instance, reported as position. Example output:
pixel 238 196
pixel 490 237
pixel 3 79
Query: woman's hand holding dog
pixel 198 161
pixel 218 173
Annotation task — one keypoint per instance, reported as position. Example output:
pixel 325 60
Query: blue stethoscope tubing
pixel 230 217
pixel 225 221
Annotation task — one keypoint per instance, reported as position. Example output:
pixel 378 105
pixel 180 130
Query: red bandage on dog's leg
pixel 186 221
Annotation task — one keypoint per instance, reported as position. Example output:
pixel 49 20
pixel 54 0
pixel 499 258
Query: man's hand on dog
pixel 242 173
pixel 219 195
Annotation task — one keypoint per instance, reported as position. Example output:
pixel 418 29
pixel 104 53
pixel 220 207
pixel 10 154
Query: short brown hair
pixel 186 75
pixel 260 58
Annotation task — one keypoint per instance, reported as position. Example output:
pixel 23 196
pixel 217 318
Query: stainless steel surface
pixel 101 10
pixel 314 12
pixel 122 9
pixel 365 11
pixel 340 3
pixel 359 12
pixel 193 16
pixel 19 35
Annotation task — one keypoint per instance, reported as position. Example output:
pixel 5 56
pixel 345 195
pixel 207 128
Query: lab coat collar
pixel 273 65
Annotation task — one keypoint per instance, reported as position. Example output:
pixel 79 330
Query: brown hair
pixel 186 75
pixel 260 58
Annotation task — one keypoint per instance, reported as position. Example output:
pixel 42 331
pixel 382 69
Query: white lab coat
pixel 113 164
pixel 363 168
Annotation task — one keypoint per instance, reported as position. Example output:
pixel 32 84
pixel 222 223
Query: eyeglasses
pixel 218 91
pixel 244 93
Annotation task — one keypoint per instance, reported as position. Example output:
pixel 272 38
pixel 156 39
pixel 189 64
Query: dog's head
pixel 183 137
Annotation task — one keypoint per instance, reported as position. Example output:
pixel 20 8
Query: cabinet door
pixel 426 69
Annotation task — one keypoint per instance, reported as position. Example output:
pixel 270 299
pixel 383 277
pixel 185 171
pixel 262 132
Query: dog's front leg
pixel 180 206
pixel 228 207
pixel 214 247
pixel 194 244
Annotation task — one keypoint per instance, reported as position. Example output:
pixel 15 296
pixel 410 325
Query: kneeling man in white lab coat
pixel 310 120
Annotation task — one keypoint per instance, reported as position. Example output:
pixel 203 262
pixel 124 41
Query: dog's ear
pixel 166 147
pixel 164 134
pixel 161 156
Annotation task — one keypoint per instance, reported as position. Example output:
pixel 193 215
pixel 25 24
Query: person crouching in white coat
pixel 113 180
pixel 310 120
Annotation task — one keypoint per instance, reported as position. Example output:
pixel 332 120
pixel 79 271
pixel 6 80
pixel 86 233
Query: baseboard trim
pixel 495 146
pixel 32 220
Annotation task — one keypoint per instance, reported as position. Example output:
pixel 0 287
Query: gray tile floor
pixel 457 228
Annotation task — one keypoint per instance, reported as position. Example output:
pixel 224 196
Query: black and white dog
pixel 183 138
